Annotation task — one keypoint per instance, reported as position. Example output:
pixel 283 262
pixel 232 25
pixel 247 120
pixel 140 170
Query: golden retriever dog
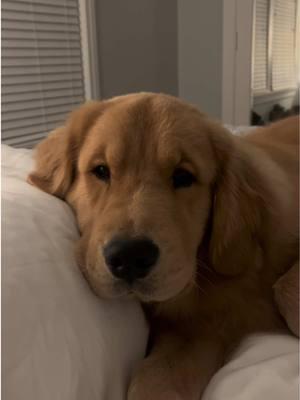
pixel 196 223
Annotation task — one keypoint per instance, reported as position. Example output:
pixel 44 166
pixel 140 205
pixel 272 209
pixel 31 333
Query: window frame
pixel 89 49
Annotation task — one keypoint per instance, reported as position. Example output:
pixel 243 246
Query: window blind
pixel 42 74
pixel 284 74
pixel 260 67
pixel 275 45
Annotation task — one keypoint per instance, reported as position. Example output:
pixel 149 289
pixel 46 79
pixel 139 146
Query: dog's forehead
pixel 152 116
pixel 152 127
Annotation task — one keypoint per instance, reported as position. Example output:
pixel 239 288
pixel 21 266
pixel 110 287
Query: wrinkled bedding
pixel 61 342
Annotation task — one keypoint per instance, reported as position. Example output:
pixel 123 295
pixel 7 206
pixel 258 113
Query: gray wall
pixel 137 42
pixel 162 46
pixel 200 32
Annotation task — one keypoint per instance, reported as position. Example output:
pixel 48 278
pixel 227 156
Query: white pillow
pixel 59 340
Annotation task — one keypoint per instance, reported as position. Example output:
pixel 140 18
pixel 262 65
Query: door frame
pixel 89 49
pixel 238 18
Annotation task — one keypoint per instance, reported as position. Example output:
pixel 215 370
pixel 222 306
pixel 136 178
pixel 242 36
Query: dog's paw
pixel 286 293
pixel 138 392
pixel 151 382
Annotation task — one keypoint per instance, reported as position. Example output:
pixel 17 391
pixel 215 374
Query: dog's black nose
pixel 130 259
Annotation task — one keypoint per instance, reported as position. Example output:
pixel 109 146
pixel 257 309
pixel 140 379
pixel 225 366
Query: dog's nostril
pixel 130 259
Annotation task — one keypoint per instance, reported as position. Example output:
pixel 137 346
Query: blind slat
pixel 21 106
pixel 44 61
pixel 37 26
pixel 28 141
pixel 33 121
pixel 39 53
pixel 50 94
pixel 24 115
pixel 40 35
pixel 39 87
pixel 41 17
pixel 35 8
pixel 39 70
pixel 56 3
pixel 37 44
pixel 45 79
pixel 29 130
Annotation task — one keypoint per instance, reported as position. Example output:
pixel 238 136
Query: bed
pixel 60 342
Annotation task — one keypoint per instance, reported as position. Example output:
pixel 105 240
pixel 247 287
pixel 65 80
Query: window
pixel 42 72
pixel 275 47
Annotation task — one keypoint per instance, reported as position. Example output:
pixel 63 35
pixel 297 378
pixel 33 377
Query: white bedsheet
pixel 265 367
pixel 59 342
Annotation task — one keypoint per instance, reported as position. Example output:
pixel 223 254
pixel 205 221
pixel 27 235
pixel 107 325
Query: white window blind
pixel 275 37
pixel 260 67
pixel 284 74
pixel 42 76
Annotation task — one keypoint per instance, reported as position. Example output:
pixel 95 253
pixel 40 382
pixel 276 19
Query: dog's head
pixel 143 173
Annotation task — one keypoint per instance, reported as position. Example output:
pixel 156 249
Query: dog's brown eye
pixel 102 172
pixel 182 178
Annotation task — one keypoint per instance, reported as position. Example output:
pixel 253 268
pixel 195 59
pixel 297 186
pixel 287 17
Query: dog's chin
pixel 138 291
pixel 144 290
pixel 151 297
pixel 110 290
pixel 155 294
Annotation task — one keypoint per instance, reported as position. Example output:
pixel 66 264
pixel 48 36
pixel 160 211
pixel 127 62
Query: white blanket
pixel 265 367
pixel 59 341
pixel 62 343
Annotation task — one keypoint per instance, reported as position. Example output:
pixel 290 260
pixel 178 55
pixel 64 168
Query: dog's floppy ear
pixel 55 157
pixel 236 214
pixel 53 164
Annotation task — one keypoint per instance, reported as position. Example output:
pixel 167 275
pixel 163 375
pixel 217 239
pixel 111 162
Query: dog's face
pixel 142 197
pixel 138 171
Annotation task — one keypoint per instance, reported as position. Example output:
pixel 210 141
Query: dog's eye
pixel 102 172
pixel 182 178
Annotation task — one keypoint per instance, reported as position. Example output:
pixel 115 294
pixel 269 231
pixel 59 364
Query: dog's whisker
pixel 198 286
pixel 203 265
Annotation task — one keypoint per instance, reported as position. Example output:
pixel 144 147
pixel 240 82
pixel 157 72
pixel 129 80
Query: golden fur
pixel 224 241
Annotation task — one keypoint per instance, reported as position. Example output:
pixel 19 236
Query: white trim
pixel 243 92
pixel 237 61
pixel 90 57
pixel 268 96
pixel 253 49
pixel 228 67
pixel 270 46
pixel 298 43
